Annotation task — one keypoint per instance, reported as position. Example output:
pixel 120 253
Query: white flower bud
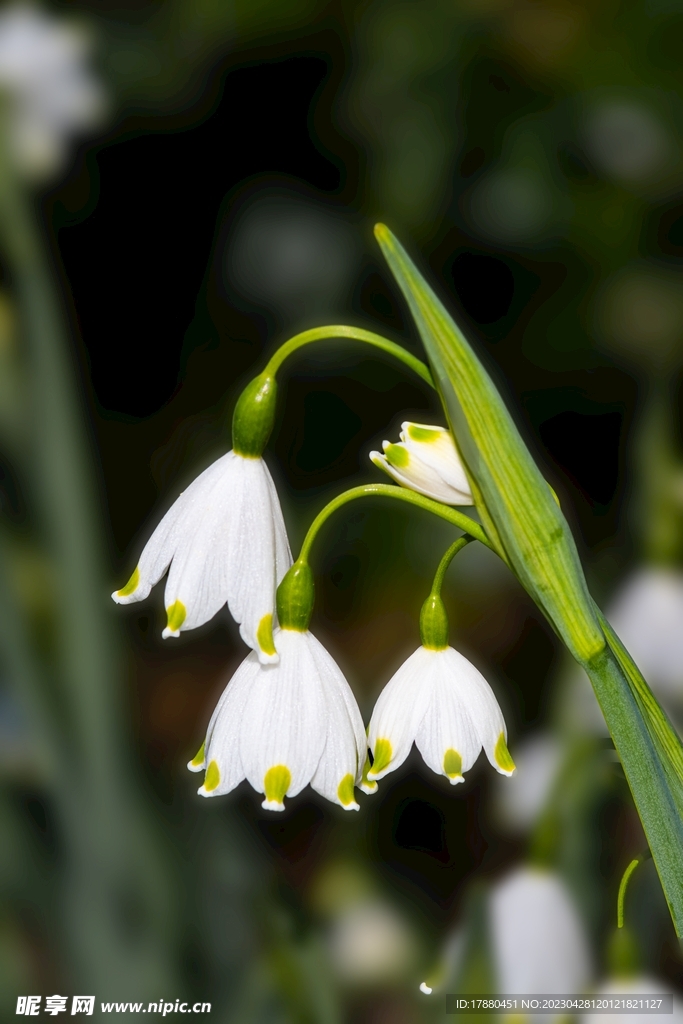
pixel 426 460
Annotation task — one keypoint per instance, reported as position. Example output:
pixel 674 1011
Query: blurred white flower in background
pixel 537 938
pixel 646 613
pixel 52 93
pixel 293 257
pixel 638 984
pixel 519 801
pixel 627 141
pixel 370 942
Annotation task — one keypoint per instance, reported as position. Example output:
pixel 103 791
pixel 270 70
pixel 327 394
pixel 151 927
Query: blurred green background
pixel 532 153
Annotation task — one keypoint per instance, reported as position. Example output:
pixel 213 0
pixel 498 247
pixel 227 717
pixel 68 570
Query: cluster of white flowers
pixel 50 91
pixel 288 717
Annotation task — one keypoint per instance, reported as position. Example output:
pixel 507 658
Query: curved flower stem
pixel 451 515
pixel 448 557
pixel 357 334
pixel 623 886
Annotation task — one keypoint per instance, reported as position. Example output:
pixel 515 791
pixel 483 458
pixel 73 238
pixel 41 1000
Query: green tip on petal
pixel 198 759
pixel 131 586
pixel 452 765
pixel 176 615
pixel 382 755
pixel 396 455
pixel 502 756
pixel 264 635
pixel 212 777
pixel 345 791
pixel 276 782
pixel 423 434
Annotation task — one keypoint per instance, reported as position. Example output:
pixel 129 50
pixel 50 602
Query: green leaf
pixel 521 517
pixel 652 757
pixel 529 531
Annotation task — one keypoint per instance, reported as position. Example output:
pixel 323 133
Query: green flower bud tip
pixel 252 421
pixel 295 597
pixel 434 624
pixel 623 956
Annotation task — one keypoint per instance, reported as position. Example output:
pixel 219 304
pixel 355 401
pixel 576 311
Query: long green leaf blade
pixel 651 755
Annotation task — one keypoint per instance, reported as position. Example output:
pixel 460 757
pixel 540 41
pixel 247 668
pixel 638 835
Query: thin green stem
pixel 451 515
pixel 448 557
pixel 355 333
pixel 623 886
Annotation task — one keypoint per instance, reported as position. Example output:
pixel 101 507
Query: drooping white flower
pixel 538 941
pixel 442 703
pixel 632 985
pixel 225 542
pixel 52 93
pixel 426 460
pixel 286 725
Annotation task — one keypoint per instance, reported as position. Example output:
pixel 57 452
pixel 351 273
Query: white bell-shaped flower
pixel 637 985
pixel 52 94
pixel 519 802
pixel 442 703
pixel 426 460
pixel 284 726
pixel 226 543
pixel 539 944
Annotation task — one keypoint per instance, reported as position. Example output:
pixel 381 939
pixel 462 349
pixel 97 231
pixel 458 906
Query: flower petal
pixel 399 711
pixel 341 763
pixel 416 475
pixel 222 760
pixel 258 568
pixel 161 546
pixel 448 738
pixel 230 554
pixel 486 716
pixel 435 447
pixel 285 724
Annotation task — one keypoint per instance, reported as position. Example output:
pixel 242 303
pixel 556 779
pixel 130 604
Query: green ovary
pixel 382 756
pixel 502 755
pixel 452 764
pixel 276 782
pixel 176 615
pixel 345 790
pixel 131 586
pixel 264 635
pixel 198 758
pixel 396 455
pixel 424 434
pixel 212 777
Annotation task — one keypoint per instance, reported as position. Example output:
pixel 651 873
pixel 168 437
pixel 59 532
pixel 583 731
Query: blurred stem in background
pixel 117 900
pixel 659 472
